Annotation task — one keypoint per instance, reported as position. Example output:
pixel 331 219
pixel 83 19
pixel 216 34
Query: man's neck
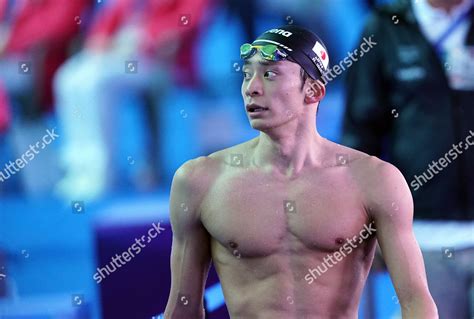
pixel 287 155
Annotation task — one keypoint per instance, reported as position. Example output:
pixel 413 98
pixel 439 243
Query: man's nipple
pixel 235 251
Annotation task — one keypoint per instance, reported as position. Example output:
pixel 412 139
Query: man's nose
pixel 254 86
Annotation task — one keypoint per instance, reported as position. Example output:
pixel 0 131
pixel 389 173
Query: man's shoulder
pixel 225 155
pixel 371 168
pixel 210 166
pixel 367 169
pixel 381 184
pixel 347 156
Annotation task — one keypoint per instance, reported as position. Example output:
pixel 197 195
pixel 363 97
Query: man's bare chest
pixel 255 216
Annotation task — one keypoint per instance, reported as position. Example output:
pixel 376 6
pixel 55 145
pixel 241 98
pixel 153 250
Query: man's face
pixel 275 86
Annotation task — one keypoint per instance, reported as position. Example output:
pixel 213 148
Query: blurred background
pixel 101 101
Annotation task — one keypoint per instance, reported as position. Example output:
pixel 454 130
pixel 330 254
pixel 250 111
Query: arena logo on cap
pixel 281 32
pixel 321 53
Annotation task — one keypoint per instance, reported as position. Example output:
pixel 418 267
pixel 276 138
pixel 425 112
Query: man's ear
pixel 315 91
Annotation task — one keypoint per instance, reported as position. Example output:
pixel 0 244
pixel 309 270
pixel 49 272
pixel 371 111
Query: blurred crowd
pixel 72 62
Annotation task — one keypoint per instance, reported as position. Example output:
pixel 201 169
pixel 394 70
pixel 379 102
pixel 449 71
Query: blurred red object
pixel 44 28
pixel 5 115
pixel 165 24
pixel 44 23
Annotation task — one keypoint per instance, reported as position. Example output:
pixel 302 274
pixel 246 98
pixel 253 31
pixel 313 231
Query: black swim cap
pixel 305 47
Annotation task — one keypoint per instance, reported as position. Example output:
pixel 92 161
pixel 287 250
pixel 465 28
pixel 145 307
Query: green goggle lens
pixel 268 52
pixel 247 50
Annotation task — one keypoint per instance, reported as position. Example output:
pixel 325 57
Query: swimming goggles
pixel 268 52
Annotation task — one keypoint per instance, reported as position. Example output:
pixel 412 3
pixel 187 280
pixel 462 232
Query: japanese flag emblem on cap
pixel 321 53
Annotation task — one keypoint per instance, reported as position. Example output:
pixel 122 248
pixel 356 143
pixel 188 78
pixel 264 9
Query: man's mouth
pixel 254 108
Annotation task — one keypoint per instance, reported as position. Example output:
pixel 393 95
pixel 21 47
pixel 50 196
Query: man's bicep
pixel 393 215
pixel 190 263
pixel 404 261
pixel 190 253
pixel 402 256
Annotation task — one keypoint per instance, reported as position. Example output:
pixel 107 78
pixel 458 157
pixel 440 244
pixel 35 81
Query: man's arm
pixel 390 204
pixel 190 253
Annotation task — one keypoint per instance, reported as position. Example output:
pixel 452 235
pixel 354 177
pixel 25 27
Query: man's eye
pixel 270 74
pixel 246 75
